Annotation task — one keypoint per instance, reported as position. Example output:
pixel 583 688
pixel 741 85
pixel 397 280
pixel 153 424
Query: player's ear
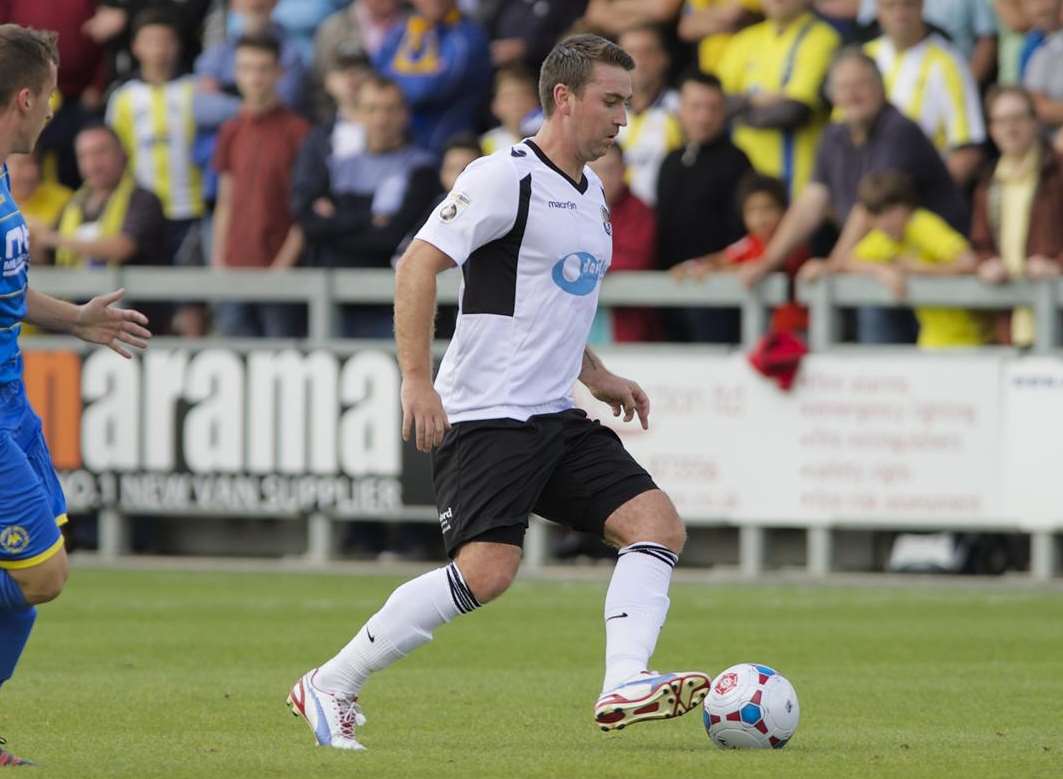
pixel 562 99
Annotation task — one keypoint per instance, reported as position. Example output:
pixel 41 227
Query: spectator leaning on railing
pixel 871 135
pixel 906 240
pixel 1017 230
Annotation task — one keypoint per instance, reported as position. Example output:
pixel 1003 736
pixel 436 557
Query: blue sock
pixel 16 621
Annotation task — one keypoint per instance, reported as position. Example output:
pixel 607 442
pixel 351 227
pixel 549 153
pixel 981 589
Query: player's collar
pixel 581 186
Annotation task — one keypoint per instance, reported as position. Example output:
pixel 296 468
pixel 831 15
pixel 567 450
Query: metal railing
pixel 323 291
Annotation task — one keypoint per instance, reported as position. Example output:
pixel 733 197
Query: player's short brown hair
pixel 881 190
pixel 571 62
pixel 25 58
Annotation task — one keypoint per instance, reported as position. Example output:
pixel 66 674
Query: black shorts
pixel 491 474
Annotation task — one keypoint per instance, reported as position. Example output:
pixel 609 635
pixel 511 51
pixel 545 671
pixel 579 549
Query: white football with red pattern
pixel 751 706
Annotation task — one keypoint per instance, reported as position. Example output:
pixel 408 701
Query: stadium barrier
pixel 871 438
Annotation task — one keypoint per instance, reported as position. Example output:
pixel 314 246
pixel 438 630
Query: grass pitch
pixel 172 674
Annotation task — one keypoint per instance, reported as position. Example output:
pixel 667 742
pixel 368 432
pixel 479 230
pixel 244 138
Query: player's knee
pixel 46 582
pixel 488 584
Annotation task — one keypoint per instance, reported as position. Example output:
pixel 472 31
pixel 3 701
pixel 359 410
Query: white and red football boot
pixel 651 696
pixel 332 718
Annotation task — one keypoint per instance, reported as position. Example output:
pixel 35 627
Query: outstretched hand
pixel 100 322
pixel 623 396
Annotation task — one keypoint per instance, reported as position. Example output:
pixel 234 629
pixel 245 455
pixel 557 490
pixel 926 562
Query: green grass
pixel 170 674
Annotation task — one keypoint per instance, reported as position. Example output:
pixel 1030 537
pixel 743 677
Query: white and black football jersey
pixel 533 246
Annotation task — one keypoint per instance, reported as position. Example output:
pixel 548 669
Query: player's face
pixel 36 111
pixel 599 113
pixel 856 91
pixel 900 18
pixel 257 74
pixel 101 160
pixel 610 169
pixel 156 46
pixel 702 112
pixel 386 119
pixel 651 58
pixel 1012 125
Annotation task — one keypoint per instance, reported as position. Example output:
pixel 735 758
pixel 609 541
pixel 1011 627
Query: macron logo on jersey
pixel 16 250
pixel 578 273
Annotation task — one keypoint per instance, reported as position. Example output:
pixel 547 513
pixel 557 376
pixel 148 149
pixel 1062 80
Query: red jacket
pixel 634 248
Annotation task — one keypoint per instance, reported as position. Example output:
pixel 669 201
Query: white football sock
pixel 405 622
pixel 635 609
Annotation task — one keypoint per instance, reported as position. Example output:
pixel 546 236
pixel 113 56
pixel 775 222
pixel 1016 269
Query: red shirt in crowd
pixel 258 152
pixel 81 61
pixel 634 246
pixel 789 317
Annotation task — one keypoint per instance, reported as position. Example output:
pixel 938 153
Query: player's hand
pixel 624 397
pixel 423 414
pixel 100 322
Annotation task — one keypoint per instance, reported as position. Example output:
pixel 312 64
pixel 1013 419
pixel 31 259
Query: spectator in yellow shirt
pixel 773 74
pixel 906 240
pixel 712 23
pixel 41 200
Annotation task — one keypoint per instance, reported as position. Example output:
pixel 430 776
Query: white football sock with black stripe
pixel 635 609
pixel 405 622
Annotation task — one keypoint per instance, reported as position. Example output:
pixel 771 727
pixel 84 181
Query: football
pixel 751 706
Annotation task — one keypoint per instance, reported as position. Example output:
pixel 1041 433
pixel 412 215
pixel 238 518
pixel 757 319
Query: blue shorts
pixel 32 505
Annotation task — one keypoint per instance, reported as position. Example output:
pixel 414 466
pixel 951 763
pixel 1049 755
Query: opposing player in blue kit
pixel 33 563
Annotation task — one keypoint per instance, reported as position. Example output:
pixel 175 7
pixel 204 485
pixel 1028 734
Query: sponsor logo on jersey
pixel 14 539
pixel 606 223
pixel 578 273
pixel 16 250
pixel 445 517
pixel 452 207
pixel 565 204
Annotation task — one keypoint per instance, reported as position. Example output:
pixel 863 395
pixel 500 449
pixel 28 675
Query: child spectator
pixel 153 116
pixel 253 227
pixel 516 106
pixel 762 201
pixel 908 240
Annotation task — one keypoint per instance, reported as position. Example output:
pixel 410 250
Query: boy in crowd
pixel 906 240
pixel 762 201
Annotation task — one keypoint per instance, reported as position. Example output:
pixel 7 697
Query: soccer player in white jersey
pixel 529 228
pixel 33 564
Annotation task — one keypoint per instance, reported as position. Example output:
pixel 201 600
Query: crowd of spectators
pixel 890 138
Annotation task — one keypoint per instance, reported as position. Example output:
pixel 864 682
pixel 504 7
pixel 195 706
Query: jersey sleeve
pixel 481 208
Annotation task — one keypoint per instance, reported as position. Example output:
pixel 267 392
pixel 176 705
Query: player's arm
pixel 622 395
pixel 415 312
pixel 97 321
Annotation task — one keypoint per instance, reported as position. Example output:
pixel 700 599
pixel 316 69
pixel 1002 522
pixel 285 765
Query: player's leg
pixel 487 477
pixel 33 562
pixel 600 489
